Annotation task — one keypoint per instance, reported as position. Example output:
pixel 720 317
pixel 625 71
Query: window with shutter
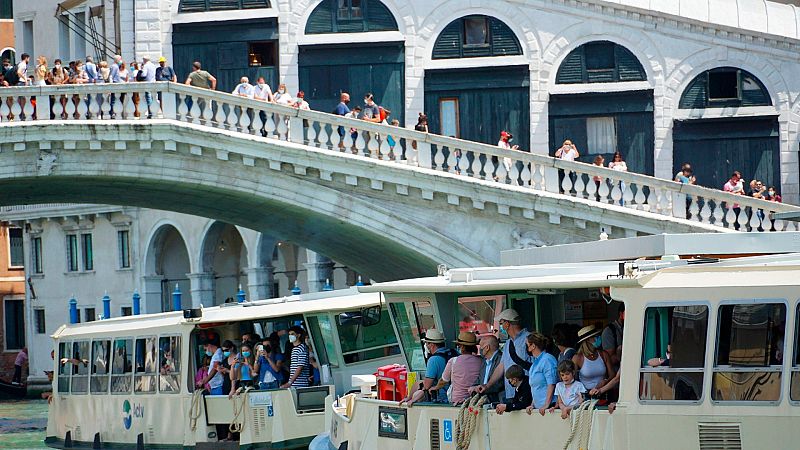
pixel 350 16
pixel 476 36
pixel 724 87
pixel 187 6
pixel 600 62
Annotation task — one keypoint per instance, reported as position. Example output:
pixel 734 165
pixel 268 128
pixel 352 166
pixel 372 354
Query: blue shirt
pixel 521 349
pixel 114 73
pixel 91 72
pixel 434 370
pixel 342 109
pixel 264 366
pixel 541 375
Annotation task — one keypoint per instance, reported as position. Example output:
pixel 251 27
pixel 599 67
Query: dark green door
pixel 632 114
pixel 228 50
pixel 326 71
pixel 488 101
pixel 715 148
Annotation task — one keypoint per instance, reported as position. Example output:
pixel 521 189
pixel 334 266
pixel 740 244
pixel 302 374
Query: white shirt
pixel 570 395
pixel 284 99
pixel 149 70
pixel 302 104
pixel 244 90
pixel 218 378
pixel 569 155
pixel 262 92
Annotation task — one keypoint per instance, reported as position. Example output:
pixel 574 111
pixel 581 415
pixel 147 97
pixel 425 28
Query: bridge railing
pixel 143 101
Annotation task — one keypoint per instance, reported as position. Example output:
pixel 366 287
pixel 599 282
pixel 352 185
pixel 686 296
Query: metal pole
pixel 176 298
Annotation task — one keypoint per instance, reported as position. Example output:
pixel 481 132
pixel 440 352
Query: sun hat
pixel 589 331
pixel 466 338
pixel 162 59
pixel 509 314
pixel 433 336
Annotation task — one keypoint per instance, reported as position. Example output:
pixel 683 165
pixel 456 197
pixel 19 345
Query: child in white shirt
pixel 569 392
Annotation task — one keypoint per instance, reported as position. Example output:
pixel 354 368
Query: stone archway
pixel 166 265
pixel 223 264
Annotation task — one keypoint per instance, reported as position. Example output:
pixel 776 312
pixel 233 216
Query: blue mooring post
pixel 328 286
pixel 240 296
pixel 359 282
pixel 136 300
pixel 176 298
pixel 106 306
pixel 296 289
pixel 73 310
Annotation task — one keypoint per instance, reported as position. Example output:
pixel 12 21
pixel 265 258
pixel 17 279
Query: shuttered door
pixel 326 71
pixel 716 148
pixel 222 48
pixel 490 100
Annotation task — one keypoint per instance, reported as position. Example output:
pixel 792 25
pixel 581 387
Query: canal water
pixel 22 424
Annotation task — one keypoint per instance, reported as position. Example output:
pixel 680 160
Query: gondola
pixel 9 391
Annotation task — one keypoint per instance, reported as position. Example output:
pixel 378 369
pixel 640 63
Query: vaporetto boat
pixel 129 382
pixel 733 381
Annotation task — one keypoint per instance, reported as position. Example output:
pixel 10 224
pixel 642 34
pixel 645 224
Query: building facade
pixel 12 296
pixel 663 83
pixel 88 251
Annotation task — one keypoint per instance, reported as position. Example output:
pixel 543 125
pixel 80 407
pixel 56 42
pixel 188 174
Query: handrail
pixel 229 112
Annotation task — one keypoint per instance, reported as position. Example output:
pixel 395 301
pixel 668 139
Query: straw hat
pixel 433 336
pixel 466 338
pixel 587 332
pixel 509 314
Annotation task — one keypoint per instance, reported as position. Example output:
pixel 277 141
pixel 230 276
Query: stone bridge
pixel 390 211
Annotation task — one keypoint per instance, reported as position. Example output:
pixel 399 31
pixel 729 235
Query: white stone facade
pixel 263 265
pixel 675 41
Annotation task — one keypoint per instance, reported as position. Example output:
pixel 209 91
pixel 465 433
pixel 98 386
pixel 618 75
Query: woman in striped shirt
pixel 299 367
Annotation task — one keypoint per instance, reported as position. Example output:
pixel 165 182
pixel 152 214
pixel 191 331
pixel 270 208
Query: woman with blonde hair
pixel 40 74
pixel 594 365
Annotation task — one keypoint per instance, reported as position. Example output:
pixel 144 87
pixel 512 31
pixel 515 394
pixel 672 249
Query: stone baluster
pixel 168 105
pixel 323 136
pixel 360 143
pixel 424 154
pixel 43 107
pixel 296 132
pixel 219 115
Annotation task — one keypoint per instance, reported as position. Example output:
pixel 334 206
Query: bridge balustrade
pixel 456 157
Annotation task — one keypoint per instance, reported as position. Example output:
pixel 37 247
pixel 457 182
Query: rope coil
pixel 580 427
pixel 239 400
pixel 194 409
pixel 467 420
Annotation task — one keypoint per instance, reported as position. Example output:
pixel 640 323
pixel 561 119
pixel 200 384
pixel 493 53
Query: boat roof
pixel 646 273
pixel 330 301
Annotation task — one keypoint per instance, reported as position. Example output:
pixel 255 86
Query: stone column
pixel 202 286
pixel 318 269
pixel 259 283
pixel 151 294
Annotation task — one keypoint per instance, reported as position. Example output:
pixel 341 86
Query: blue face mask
pixel 208 353
pixel 246 354
pixel 503 329
pixel 226 354
pixel 598 342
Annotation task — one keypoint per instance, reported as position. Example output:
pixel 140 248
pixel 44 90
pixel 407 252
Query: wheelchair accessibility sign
pixel 447 430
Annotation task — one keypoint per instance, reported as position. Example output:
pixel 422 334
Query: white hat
pixel 509 314
pixel 433 336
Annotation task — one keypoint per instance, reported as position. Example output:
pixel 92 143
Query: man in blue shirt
pixel 342 110
pixel 91 70
pixel 165 72
pixel 509 321
pixel 439 355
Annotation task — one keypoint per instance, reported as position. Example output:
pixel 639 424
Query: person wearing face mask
pixel 299 362
pixel 594 365
pixel 772 195
pixel 510 326
pixel 283 97
pixel 541 367
pixel 612 337
pixel 489 348
pixel 214 378
pixel 242 371
pixel 371 112
pixel 438 356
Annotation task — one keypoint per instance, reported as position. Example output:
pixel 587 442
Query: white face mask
pixel 58 66
pixel 292 338
pixel 282 91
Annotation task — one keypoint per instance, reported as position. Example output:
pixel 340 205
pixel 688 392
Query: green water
pixel 22 424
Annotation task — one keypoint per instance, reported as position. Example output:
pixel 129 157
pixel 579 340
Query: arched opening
pixel 717 147
pixel 350 16
pixel 603 121
pixel 167 264
pixel 224 259
pixel 476 104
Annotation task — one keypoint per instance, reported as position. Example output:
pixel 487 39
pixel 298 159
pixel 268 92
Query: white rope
pixel 194 409
pixel 239 400
pixel 467 420
pixel 579 426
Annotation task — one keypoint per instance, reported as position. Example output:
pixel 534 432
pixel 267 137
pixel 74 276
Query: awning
pixel 69 4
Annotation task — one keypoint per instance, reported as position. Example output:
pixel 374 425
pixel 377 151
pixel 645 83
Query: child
pixel 569 391
pixel 202 371
pixel 522 391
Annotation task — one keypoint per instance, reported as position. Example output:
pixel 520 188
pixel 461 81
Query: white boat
pixel 733 381
pixel 129 382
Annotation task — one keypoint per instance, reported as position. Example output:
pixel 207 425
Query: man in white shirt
pixel 149 75
pixel 262 91
pixel 244 88
pixel 22 69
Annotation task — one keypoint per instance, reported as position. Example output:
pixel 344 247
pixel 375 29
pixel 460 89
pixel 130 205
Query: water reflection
pixel 22 424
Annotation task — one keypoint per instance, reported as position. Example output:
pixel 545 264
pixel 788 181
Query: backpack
pixel 448 353
pixel 11 76
pixel 140 76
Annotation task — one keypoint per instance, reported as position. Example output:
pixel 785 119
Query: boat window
pixel 121 366
pixel 362 343
pixel 100 356
pixel 79 383
pixel 321 330
pixel 170 364
pixel 477 314
pixel 64 366
pixel 145 368
pixel 794 388
pixel 673 353
pixel 749 354
pixel 413 319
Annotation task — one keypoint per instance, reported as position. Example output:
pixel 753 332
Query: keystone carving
pixel 528 239
pixel 46 163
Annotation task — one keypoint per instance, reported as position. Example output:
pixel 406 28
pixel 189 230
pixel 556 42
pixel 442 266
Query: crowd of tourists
pixel 532 372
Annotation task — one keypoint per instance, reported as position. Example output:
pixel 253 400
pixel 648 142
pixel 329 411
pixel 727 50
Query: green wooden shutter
pixel 254 4
pixel 449 42
pixel 321 19
pixel 628 66
pixel 695 96
pixel 757 94
pixel 379 18
pixel 192 6
pixel 221 5
pixel 504 41
pixel 571 69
